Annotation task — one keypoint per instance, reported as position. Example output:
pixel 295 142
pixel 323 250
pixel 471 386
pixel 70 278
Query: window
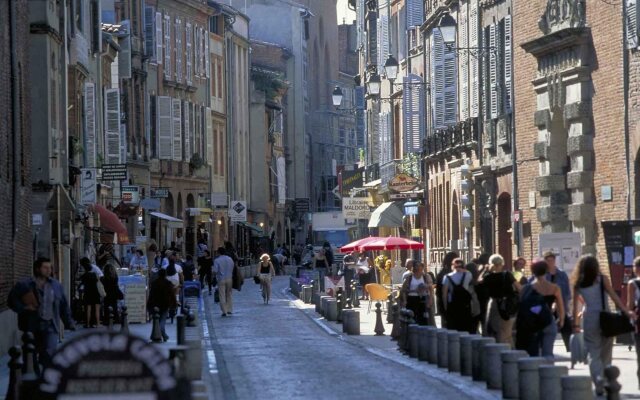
pixel 79 17
pixel 220 79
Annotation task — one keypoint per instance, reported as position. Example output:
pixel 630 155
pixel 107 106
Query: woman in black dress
pixel 91 297
pixel 111 288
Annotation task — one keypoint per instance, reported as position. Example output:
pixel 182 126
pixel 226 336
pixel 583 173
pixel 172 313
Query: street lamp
pixel 447 27
pixel 391 68
pixel 373 84
pixel 336 96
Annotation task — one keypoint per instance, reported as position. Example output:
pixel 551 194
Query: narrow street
pixel 278 352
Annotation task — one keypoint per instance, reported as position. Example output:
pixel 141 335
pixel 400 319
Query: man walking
pixel 40 304
pixel 223 268
pixel 456 297
pixel 560 278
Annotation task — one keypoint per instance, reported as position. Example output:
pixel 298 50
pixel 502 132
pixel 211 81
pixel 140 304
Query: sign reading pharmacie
pixel 356 207
pixel 403 183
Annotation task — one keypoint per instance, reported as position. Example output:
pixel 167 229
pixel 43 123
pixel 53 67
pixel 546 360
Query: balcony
pixel 457 137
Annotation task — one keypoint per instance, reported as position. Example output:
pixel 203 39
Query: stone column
pixel 493 364
pixel 443 358
pixel 550 381
pixel 453 344
pixel 529 379
pixel 576 388
pixel 510 372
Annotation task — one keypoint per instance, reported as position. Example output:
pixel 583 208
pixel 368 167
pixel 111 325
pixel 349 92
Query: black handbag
pixel 612 323
pixel 256 279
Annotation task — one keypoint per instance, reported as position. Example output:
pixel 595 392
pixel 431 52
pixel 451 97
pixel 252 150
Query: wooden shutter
pixel 474 61
pixel 159 38
pixel 123 143
pixel 632 24
pixel 383 42
pixel 508 65
pixel 186 114
pixel 383 137
pixel 188 36
pixel 450 87
pixel 164 125
pixel 412 113
pixel 437 80
pixel 176 116
pixel 493 72
pixel 207 55
pixel 149 33
pixel 415 13
pixel 112 126
pixel 178 49
pixel 208 135
pixel 167 47
pixel 196 50
pixel 90 124
pixel 463 61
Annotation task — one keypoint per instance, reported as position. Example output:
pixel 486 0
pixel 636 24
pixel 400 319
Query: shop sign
pixel 403 183
pixel 356 208
pixel 238 211
pixel 130 194
pixel 351 180
pixel 159 193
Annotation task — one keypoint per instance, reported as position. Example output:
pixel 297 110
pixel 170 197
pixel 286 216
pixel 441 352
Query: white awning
pixel 373 183
pixel 386 215
pixel 172 222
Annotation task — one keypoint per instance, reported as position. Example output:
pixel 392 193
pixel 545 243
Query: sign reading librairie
pixel 356 208
pixel 114 172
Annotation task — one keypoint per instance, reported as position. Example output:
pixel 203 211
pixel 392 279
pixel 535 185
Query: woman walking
pixel 417 293
pixel 91 296
pixel 364 267
pixel 633 303
pixel 589 287
pixel 266 273
pixel 500 286
pixel 112 290
pixel 206 270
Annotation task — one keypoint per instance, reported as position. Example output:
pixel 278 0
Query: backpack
pixel 534 313
pixel 171 269
pixel 508 303
pixel 460 303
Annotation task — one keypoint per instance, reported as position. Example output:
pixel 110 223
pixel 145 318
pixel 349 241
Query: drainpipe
pixel 625 80
pixel 17 128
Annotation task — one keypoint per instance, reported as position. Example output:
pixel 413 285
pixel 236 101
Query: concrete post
pixel 466 354
pixel 323 305
pixel 493 364
pixel 443 358
pixel 576 388
pixel 550 383
pixel 307 291
pixel 346 314
pixel 315 298
pixel 510 373
pixel 453 351
pixel 612 386
pixel 476 359
pixel 432 343
pixel 353 327
pixel 529 378
pixel 423 343
pixel 413 340
pixel 331 312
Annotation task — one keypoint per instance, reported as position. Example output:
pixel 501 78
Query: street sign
pixel 114 172
pixel 405 195
pixel 351 180
pixel 159 193
pixel 130 194
pixel 302 205
pixel 356 208
pixel 88 186
pixel 238 211
pixel 219 199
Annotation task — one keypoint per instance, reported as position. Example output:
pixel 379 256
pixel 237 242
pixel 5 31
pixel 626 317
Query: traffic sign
pixel 238 211
pixel 114 172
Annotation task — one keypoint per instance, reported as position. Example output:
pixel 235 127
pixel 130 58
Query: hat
pixel 264 257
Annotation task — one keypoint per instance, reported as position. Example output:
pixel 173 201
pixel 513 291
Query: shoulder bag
pixel 612 323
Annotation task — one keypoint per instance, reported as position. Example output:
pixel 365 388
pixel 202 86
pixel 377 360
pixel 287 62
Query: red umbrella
pixel 392 243
pixel 354 246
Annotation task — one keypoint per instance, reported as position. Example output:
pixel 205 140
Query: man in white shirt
pixel 138 261
pixel 223 268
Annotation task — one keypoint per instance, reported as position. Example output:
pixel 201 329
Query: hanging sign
pixel 238 211
pixel 403 183
pixel 89 194
pixel 356 208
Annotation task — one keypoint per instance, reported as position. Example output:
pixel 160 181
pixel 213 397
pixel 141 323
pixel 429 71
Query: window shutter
pixel 415 13
pixel 159 38
pixel 90 124
pixel 473 39
pixel 167 47
pixel 123 143
pixel 165 139
pixel 207 55
pixel 360 13
pixel 149 33
pixel 188 36
pixel 508 65
pixel 437 80
pixel 176 116
pixel 412 113
pixel 197 115
pixel 493 73
pixel 464 65
pixel 450 88
pixel 196 50
pixel 208 135
pixel 177 50
pixel 383 42
pixel 112 126
pixel 632 24
pixel 124 58
pixel 186 118
pixel 383 138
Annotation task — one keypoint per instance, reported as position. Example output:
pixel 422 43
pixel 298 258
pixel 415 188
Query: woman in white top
pixel 266 273
pixel 417 293
pixel 633 303
pixel 363 266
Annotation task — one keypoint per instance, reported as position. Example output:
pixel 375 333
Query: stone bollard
pixel 379 328
pixel 529 378
pixel 124 321
pixel 390 308
pixel 346 314
pixel 180 325
pixel 432 343
pixel 401 323
pixel 15 374
pixel 340 304
pixel 423 344
pixel 395 332
pixel 405 330
pixel 612 386
pixel 156 333
pixel 576 388
pixel 353 326
pixel 443 358
pixel 315 299
pixel 323 305
pixel 550 381
pixel 331 312
pixel 355 300
pixel 306 293
pixel 29 356
pixel 510 372
pixel 466 355
pixel 413 340
pixel 453 351
pixel 492 364
pixel 476 356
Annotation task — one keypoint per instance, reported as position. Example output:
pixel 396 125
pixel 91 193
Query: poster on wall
pixel 567 246
pixel 134 288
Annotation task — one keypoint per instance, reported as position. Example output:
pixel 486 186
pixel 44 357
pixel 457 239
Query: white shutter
pixel 383 41
pixel 208 135
pixel 112 126
pixel 508 65
pixel 415 13
pixel 197 115
pixel 90 124
pixel 463 60
pixel 159 38
pixel 186 117
pixel 176 116
pixel 413 113
pixel 450 87
pixel 196 48
pixel 207 55
pixel 167 47
pixel 473 42
pixel 165 123
pixel 178 50
pixel 632 24
pixel 493 72
pixel 123 143
pixel 188 35
pixel 383 137
pixel 437 80
pixel 149 33
pixel 203 72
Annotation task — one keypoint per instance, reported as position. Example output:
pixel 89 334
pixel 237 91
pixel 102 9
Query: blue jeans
pixel 163 322
pixel 46 343
pixel 546 339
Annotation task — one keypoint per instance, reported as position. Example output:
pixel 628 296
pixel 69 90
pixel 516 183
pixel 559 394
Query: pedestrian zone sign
pixel 238 211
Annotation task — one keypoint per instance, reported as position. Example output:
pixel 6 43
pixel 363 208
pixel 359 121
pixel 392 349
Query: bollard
pixel 331 312
pixel 510 372
pixel 413 341
pixel 306 293
pixel 453 351
pixel 156 333
pixel 401 326
pixel 124 321
pixel 432 343
pixel 466 354
pixel 323 305
pixel 576 388
pixel 354 294
pixel 408 320
pixel 423 344
pixel 395 332
pixel 493 364
pixel 379 328
pixel 476 359
pixel 340 304
pixel 550 384
pixel 612 386
pixel 346 314
pixel 110 319
pixel 353 327
pixel 29 356
pixel 390 308
pixel 180 325
pixel 529 378
pixel 443 358
pixel 15 373
pixel 315 298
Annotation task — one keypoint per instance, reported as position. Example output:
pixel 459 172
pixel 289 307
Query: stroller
pixel 190 295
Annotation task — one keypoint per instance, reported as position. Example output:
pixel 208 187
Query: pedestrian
pixel 202 246
pixel 91 294
pixel 85 262
pixel 266 273
pixel 205 263
pixel 589 287
pixel 502 289
pixel 328 252
pixel 162 296
pixel 519 266
pixel 457 298
pixel 230 251
pixel 112 291
pixel 633 303
pixel 417 293
pixel 560 278
pixel 483 268
pixel 408 265
pixel 223 267
pixel 138 262
pixel 41 304
pixel 174 270
pixel 188 268
pixel 540 341
pixel 364 266
pixel 444 270
pixel 321 264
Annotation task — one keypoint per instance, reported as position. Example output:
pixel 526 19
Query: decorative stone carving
pixel 579 109
pixel 487 197
pixel 542 119
pixel 555 90
pixel 579 179
pixel 488 135
pixel 579 144
pixel 503 131
pixel 541 150
pixel 562 14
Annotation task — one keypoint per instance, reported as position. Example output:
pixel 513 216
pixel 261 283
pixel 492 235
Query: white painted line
pixel 211 355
